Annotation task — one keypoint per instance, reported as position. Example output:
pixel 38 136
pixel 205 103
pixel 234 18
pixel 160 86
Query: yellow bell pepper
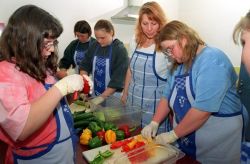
pixel 85 138
pixel 110 136
pixel 87 131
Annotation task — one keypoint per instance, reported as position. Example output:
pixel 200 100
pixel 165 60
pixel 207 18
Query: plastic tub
pixel 120 115
pixel 149 154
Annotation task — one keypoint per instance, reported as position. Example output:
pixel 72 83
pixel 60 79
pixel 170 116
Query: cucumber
pixel 82 116
pixel 78 112
pixel 81 124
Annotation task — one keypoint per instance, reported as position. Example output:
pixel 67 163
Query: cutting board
pixel 90 154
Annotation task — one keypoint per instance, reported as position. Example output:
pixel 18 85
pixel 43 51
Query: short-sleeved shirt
pixel 119 62
pixel 17 91
pixel 213 81
pixel 68 57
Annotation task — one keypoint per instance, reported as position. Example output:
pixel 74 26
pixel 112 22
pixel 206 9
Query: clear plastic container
pixel 149 154
pixel 111 101
pixel 120 115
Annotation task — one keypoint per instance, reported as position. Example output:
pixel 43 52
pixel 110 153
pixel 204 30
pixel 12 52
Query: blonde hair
pixel 243 24
pixel 176 30
pixel 154 12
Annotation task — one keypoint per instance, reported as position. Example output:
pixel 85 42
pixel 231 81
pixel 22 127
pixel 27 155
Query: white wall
pixel 213 19
pixel 68 12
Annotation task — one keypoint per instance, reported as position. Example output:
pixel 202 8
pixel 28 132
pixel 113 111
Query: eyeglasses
pixel 48 45
pixel 169 51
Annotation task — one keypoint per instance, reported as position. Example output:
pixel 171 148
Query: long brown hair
pixel 22 39
pixel 176 30
pixel 154 12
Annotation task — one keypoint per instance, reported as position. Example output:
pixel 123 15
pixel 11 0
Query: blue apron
pixel 146 87
pixel 62 150
pixel 101 71
pixel 244 92
pixel 218 140
pixel 79 56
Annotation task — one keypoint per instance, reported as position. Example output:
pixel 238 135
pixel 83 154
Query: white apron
pixel 65 142
pixel 146 87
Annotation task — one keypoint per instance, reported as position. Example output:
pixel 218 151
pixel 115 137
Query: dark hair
pixel 106 25
pixel 83 27
pixel 22 40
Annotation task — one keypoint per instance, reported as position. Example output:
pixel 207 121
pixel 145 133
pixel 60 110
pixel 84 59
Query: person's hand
pixel 90 82
pixel 150 130
pixel 124 98
pixel 166 138
pixel 70 84
pixel 97 100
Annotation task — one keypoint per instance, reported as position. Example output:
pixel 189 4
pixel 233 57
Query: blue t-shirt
pixel 213 82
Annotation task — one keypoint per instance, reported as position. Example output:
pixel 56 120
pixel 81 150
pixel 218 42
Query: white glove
pixel 90 82
pixel 166 138
pixel 97 100
pixel 70 84
pixel 150 130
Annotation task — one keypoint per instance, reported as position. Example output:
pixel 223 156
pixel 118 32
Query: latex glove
pixel 97 100
pixel 70 84
pixel 90 82
pixel 166 138
pixel 150 130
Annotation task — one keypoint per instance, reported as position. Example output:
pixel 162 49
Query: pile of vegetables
pixel 96 132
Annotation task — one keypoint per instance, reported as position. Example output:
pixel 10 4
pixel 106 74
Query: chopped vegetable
pixel 97 160
pixel 119 144
pixel 106 154
pixel 100 157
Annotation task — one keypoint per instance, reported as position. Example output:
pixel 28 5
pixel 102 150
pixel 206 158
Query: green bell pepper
pixel 110 126
pixel 120 135
pixel 95 142
pixel 94 127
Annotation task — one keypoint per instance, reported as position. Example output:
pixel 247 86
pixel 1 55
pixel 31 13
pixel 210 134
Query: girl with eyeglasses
pixel 35 120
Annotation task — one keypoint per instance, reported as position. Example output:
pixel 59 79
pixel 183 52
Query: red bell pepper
pixel 125 128
pixel 116 145
pixel 119 144
pixel 101 135
pixel 86 89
